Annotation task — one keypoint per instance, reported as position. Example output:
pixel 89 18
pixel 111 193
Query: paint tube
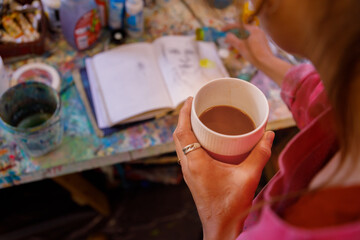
pixel 116 14
pixel 27 28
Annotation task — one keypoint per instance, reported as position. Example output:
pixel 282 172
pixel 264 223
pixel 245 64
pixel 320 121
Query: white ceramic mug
pixel 236 93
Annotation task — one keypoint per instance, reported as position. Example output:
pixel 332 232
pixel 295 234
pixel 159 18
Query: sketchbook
pixel 81 81
pixel 138 81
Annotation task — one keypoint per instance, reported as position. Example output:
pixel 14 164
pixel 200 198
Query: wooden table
pixel 81 149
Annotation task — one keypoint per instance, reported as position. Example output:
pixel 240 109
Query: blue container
pixel 116 14
pixel 134 17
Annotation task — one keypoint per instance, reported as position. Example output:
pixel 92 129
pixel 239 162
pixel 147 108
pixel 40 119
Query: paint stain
pixel 3 152
pixel 207 63
pixel 5 167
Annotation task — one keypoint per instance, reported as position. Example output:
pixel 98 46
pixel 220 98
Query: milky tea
pixel 227 120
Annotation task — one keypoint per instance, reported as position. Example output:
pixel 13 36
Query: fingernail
pixel 270 136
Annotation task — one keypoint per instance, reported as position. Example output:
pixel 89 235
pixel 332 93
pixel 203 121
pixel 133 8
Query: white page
pixel 129 82
pixel 179 60
pixel 101 117
pixel 4 80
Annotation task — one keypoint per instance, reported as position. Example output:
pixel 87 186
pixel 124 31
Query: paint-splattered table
pixel 81 148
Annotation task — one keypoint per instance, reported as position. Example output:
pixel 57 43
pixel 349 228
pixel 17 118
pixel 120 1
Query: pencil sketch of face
pixel 182 57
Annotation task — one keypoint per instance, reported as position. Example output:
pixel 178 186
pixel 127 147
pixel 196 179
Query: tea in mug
pixel 227 120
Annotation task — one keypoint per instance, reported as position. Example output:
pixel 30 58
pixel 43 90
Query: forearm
pixel 274 68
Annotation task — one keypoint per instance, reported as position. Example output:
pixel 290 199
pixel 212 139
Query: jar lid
pixel 39 72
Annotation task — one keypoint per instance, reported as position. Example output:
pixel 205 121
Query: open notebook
pixel 138 81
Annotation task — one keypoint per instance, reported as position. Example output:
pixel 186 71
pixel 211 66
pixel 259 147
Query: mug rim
pixel 261 125
pixel 45 124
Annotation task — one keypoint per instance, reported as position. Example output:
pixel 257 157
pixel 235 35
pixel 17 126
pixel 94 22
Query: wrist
pixel 222 231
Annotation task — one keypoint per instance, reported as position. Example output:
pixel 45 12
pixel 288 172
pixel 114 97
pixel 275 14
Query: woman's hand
pixel 256 50
pixel 222 192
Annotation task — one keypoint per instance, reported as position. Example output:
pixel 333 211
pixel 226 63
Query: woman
pixel 316 193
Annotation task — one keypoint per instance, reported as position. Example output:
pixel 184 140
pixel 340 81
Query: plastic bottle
pixel 103 11
pixel 80 22
pixel 116 14
pixel 134 17
pixel 51 8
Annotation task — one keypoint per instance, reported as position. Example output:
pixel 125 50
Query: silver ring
pixel 191 147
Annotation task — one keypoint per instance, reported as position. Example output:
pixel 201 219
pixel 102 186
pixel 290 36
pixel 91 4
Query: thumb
pixel 261 153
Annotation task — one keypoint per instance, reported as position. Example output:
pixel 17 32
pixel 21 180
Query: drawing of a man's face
pixel 182 57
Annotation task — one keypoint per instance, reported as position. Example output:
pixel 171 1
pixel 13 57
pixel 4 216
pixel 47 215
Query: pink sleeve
pixel 304 94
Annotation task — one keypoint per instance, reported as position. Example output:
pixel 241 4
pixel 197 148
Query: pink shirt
pixel 302 158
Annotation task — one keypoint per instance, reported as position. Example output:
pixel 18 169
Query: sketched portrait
pixel 183 58
pixel 179 60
